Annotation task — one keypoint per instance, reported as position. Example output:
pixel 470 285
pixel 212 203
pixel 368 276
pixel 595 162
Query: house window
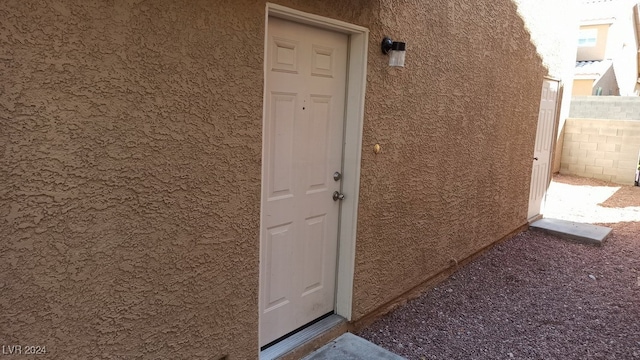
pixel 588 37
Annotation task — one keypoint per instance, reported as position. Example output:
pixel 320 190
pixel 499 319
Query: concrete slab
pixel 299 339
pixel 579 232
pixel 351 347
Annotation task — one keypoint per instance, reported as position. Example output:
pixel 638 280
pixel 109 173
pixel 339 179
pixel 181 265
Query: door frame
pixel 352 141
pixel 554 137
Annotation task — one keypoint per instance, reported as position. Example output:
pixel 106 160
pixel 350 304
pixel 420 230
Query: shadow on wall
pixel 607 85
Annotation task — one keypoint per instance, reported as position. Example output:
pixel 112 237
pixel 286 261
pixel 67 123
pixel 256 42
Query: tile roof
pixel 595 68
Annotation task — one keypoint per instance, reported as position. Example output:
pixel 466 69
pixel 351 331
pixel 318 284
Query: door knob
pixel 535 158
pixel 337 196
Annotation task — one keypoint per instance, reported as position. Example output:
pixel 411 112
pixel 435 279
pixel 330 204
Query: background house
pixel 131 166
pixel 601 139
pixel 607 56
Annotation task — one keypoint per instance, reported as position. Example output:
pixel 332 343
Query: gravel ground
pixel 535 296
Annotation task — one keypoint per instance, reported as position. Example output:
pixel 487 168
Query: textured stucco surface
pixel 130 163
pixel 582 87
pixel 554 28
pixel 598 51
pixel 130 177
pixel 457 128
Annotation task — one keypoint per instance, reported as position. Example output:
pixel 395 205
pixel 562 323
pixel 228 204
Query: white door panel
pixel 303 137
pixel 544 143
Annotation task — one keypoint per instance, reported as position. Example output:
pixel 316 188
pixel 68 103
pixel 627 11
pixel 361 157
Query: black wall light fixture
pixel 396 51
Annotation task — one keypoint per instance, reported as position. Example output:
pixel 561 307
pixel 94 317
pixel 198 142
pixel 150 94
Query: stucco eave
pixel 608 21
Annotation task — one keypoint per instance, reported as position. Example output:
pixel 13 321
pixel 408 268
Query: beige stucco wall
pixel 130 166
pixel 130 177
pixel 582 87
pixel 461 179
pixel 622 47
pixel 597 52
pixel 607 84
pixel 553 26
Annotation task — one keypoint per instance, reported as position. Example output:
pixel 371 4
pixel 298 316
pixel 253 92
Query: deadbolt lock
pixel 337 176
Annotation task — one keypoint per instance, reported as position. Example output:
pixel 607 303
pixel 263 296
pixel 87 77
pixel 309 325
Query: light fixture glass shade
pixel 396 58
pixel 396 55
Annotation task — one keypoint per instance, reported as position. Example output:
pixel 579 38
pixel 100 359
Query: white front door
pixel 302 149
pixel 544 143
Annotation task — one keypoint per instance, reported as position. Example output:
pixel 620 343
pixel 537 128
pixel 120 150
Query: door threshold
pixel 534 219
pixel 302 337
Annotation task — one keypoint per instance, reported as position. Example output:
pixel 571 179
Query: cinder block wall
pixel 605 107
pixel 601 149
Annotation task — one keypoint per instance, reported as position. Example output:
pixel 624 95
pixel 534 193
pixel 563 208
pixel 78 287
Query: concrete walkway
pixel 583 203
pixel 352 347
